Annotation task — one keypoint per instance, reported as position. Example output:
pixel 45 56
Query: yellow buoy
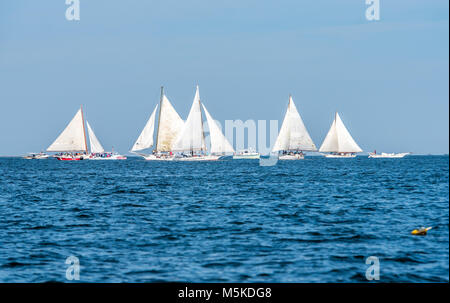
pixel 421 231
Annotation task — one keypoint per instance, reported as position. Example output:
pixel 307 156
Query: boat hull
pixel 291 157
pixel 158 158
pixel 344 156
pixel 388 156
pixel 198 158
pixel 115 157
pixel 64 158
pixel 35 158
pixel 244 157
pixel 39 156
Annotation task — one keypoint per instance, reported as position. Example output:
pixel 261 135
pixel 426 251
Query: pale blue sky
pixel 388 78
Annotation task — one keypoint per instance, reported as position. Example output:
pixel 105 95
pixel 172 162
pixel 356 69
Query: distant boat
pixel 246 154
pixel 338 142
pixel 71 144
pixel 40 155
pixel 219 144
pixel 387 155
pixel 190 142
pixel 169 127
pixel 293 138
pixel 97 150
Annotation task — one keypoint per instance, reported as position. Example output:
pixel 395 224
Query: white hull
pixel 159 158
pixel 37 157
pixel 198 158
pixel 384 155
pixel 291 157
pixel 113 157
pixel 246 156
pixel 340 156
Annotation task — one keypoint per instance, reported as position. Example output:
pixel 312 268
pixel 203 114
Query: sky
pixel 388 79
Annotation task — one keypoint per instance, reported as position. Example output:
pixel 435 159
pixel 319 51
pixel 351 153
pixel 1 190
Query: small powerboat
pixel 387 155
pixel 246 154
pixel 40 155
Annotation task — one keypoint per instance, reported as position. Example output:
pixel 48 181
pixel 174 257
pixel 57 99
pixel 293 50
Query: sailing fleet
pixel 184 140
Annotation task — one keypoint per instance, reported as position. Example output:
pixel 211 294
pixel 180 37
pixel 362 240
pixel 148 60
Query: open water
pixel 315 220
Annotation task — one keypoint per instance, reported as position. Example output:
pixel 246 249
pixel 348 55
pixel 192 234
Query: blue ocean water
pixel 315 220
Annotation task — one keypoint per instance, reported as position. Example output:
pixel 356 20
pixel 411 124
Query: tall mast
pixel 335 121
pixel 287 112
pixel 84 129
pixel 201 120
pixel 159 116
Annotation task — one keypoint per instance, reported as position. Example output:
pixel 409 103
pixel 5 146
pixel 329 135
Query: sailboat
pixel 71 143
pixel 169 126
pixel 219 144
pixel 338 142
pixel 191 140
pixel 293 138
pixel 97 150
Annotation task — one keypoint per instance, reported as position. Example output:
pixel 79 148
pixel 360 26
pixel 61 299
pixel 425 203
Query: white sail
pixel 293 134
pixel 145 139
pixel 169 126
pixel 191 137
pixel 219 144
pixel 96 147
pixel 72 138
pixel 339 139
